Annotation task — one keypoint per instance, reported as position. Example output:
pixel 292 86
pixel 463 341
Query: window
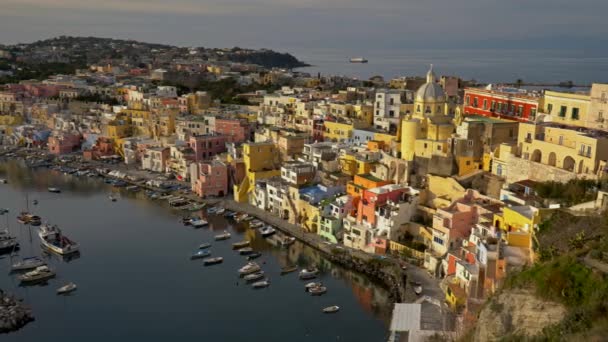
pixel 475 104
pixel 588 154
pixel 604 97
pixel 600 116
pixel 391 113
pixel 438 147
pixel 470 142
pixel 562 111
pixel 438 240
pixel 532 113
pixel 493 106
pixel 512 109
pixel 391 101
pixel 485 104
pixel 499 169
pixel 575 113
pixel 520 110
pixel 561 140
pixel 418 108
pixel 466 100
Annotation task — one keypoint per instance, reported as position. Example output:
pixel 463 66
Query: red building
pixel 318 129
pixel 502 103
pixel 207 145
pixel 376 197
pixel 211 180
pixel 237 130
pixel 104 147
pixel 63 142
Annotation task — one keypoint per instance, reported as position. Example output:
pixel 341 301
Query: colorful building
pixel 506 103
pixel 210 179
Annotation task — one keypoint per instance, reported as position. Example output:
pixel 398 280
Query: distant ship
pixel 358 60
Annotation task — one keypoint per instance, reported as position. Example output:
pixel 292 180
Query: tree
pixel 519 82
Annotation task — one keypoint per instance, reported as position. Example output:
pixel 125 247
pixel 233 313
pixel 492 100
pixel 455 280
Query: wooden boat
pixel 223 236
pixel 287 241
pixel 288 269
pixel 67 288
pixel 240 244
pixel 254 255
pixel 112 198
pixel 308 274
pixel 39 274
pixel 261 284
pixel 220 211
pixel 251 267
pixel 311 285
pixel 317 290
pixel 331 309
pixel 213 261
pixel 204 245
pixel 200 254
pixel 267 231
pixel 196 207
pixel 27 264
pixel 245 251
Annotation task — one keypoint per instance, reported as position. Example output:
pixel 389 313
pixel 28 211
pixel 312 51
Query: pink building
pixel 237 130
pixel 206 146
pixel 62 143
pixel 212 179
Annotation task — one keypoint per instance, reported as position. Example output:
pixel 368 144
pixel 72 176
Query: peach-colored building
pixel 63 142
pixel 211 180
pixel 207 145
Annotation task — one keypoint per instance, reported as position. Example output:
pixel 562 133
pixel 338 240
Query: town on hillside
pixel 447 176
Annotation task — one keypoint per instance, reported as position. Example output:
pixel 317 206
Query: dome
pixel 430 91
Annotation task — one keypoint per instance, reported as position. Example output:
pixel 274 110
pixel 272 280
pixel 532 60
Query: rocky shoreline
pixel 13 314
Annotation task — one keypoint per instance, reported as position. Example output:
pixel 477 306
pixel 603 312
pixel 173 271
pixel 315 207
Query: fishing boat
pixel 39 274
pixel 288 269
pixel 261 284
pixel 112 198
pixel 54 190
pixel 224 236
pixel 213 261
pixel 245 251
pixel 204 245
pixel 220 211
pixel 254 276
pixel 27 218
pixel 27 264
pixel 7 242
pixel 198 222
pixel 251 267
pixel 331 309
pixel 240 244
pixel 317 290
pixel 52 238
pixel 254 255
pixel 287 241
pixel 256 224
pixel 67 288
pixel 267 231
pixel 200 254
pixel 308 274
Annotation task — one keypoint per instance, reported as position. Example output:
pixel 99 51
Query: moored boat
pixel 195 207
pixel 224 236
pixel 112 198
pixel 417 287
pixel 256 224
pixel 200 254
pixel 220 211
pixel 254 276
pixel 308 274
pixel 331 309
pixel 198 223
pixel 41 273
pixel 229 214
pixel 52 238
pixel 3 181
pixel 27 218
pixel 287 241
pixel 317 290
pixel 288 269
pixel 267 231
pixel 254 255
pixel 261 284
pixel 8 243
pixel 211 210
pixel 27 264
pixel 240 244
pixel 67 288
pixel 213 261
pixel 251 267
pixel 54 190
pixel 311 285
pixel 204 245
pixel 245 251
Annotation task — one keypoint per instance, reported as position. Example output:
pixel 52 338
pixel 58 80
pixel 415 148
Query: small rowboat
pixel 213 261
pixel 200 254
pixel 288 269
pixel 204 245
pixel 254 276
pixel 241 244
pixel 317 290
pixel 331 309
pixel 224 236
pixel 254 255
pixel 261 284
pixel 67 288
pixel 245 251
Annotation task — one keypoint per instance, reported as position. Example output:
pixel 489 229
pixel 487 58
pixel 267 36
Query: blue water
pixel 485 65
pixel 136 282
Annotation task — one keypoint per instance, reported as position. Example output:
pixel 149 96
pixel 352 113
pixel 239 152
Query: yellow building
pixel 261 162
pixel 598 110
pixel 567 108
pixel 364 113
pixel 577 150
pixel 10 120
pixel 351 165
pixel 336 131
pixel 119 128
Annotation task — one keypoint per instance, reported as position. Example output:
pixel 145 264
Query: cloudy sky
pixel 382 24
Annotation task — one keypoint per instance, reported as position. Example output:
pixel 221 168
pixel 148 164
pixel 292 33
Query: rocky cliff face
pixel 516 312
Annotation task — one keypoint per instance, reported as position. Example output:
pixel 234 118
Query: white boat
pixel 311 285
pixel 200 254
pixel 27 264
pixel 3 181
pixel 220 211
pixel 223 236
pixel 358 60
pixel 417 287
pixel 267 231
pixel 212 210
pixel 240 244
pixel 7 242
pixel 261 284
pixel 67 288
pixel 112 198
pixel 41 273
pixel 308 274
pixel 251 267
pixel 331 309
pixel 256 224
pixel 254 276
pixel 204 245
pixel 213 261
pixel 52 238
pixel 317 290
pixel 54 190
pixel 245 251
pixel 288 240
pixel 198 223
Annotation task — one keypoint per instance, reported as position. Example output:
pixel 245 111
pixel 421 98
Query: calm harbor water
pixel 136 281
pixel 485 65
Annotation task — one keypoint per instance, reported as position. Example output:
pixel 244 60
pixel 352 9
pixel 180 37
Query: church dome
pixel 430 91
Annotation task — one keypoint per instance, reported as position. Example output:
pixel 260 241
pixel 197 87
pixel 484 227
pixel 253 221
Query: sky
pixel 313 24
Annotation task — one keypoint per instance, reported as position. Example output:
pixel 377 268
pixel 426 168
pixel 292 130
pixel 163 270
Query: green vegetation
pixel 224 89
pixel 570 193
pixel 40 71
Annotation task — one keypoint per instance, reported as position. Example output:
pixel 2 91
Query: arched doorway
pixel 552 159
pixel 537 156
pixel 569 164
